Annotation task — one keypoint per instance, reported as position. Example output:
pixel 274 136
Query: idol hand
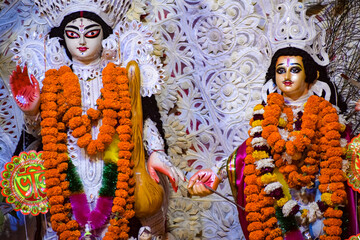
pixel 158 161
pixel 25 92
pixel 199 179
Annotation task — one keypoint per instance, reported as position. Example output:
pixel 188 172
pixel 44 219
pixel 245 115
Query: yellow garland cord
pixel 112 151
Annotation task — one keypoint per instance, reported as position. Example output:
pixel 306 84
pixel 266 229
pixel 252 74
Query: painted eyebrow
pixel 87 27
pixel 298 64
pixel 92 25
pixel 71 26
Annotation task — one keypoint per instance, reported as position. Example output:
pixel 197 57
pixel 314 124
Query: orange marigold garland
pixel 60 107
pixel 317 134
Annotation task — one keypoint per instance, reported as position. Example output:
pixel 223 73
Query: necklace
pixel 270 205
pixel 61 108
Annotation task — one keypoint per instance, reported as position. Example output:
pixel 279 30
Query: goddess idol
pixel 88 112
pixel 289 175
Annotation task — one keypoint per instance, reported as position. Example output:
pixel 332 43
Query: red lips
pixel 82 49
pixel 287 83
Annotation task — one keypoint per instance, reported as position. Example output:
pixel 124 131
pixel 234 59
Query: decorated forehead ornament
pixel 111 11
pixel 289 27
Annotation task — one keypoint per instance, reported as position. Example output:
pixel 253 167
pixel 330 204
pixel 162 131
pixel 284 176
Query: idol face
pixel 83 39
pixel 290 76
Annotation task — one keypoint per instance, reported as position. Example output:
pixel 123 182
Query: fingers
pixel 18 69
pixel 193 180
pixel 174 175
pixel 173 184
pixel 199 190
pixel 180 174
pixel 35 83
pixel 153 174
pixel 25 71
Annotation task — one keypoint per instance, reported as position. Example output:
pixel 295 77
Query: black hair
pixel 59 31
pixel 311 67
pixel 151 110
pixel 311 71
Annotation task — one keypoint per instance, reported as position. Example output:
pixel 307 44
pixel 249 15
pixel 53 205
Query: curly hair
pixel 59 31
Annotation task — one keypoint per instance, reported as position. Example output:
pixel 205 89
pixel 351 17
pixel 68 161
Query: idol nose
pixel 288 75
pixel 82 40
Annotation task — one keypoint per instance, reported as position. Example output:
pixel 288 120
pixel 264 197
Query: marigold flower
pixel 332 222
pixel 268 211
pixel 251 189
pixel 252 207
pixel 254 226
pixel 79 132
pixel 338 196
pixel 333 230
pixel 333 213
pixel 253 217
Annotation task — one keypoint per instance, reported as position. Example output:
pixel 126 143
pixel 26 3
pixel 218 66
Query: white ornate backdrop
pixel 215 54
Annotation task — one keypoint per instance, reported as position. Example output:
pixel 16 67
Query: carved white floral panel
pixel 215 61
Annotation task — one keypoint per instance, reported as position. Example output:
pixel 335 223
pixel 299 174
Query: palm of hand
pixel 26 93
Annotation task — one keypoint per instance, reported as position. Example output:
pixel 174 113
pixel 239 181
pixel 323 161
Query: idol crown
pixel 289 27
pixel 111 11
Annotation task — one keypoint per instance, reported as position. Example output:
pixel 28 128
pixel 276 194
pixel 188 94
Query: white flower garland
pixel 265 162
pixel 272 187
pixel 288 206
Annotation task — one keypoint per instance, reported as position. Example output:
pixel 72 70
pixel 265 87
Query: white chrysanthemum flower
pixel 258 142
pixel 284 134
pixel 342 119
pixel 297 110
pixel 260 111
pixel 314 212
pixel 288 207
pixel 266 162
pixel 272 186
pixel 256 129
pixel 286 157
pixel 343 142
pixel 345 165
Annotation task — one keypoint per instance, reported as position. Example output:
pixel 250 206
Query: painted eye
pixel 71 34
pixel 295 70
pixel 92 33
pixel 280 70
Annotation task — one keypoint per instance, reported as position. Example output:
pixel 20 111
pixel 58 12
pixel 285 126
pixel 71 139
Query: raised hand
pixel 201 177
pixel 158 161
pixel 26 93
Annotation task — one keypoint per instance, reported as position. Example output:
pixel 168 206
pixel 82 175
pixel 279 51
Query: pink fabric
pixel 351 207
pixel 293 235
pixel 240 183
